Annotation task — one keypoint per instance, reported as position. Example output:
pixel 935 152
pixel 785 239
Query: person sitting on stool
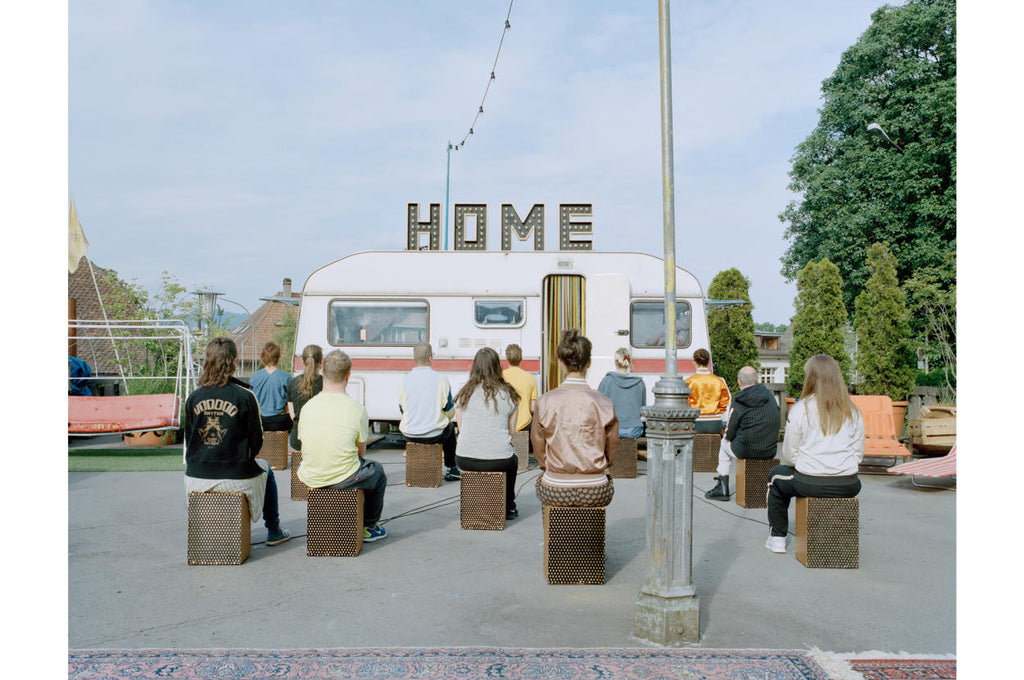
pixel 425 399
pixel 709 393
pixel 752 431
pixel 333 429
pixel 821 450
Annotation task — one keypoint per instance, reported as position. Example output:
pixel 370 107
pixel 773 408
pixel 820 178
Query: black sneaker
pixel 277 536
pixel 452 475
pixel 512 514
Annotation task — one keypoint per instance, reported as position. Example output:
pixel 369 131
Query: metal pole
pixel 447 188
pixel 667 611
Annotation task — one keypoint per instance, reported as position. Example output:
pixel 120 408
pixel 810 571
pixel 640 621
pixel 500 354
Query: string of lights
pixel 490 80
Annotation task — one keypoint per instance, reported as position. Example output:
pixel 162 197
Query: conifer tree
pixel 883 357
pixel 819 321
pixel 731 331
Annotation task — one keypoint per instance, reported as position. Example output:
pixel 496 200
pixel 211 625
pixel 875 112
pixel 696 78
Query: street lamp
pixel 252 333
pixel 207 306
pixel 876 126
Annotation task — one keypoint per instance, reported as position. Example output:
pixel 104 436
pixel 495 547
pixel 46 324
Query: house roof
pixel 266 321
pixel 93 345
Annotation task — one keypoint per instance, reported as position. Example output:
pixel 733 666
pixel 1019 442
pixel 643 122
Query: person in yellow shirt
pixel 709 393
pixel 333 429
pixel 524 383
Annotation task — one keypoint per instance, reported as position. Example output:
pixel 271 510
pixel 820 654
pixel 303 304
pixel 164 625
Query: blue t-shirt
pixel 271 390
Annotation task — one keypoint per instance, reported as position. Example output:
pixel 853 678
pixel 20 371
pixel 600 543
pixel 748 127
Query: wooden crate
pixel 482 500
pixel 300 491
pixel 574 545
pixel 334 522
pixel 275 449
pixel 521 443
pixel 752 481
pixel 423 464
pixel 705 452
pixel 624 463
pixel 218 528
pixel 828 532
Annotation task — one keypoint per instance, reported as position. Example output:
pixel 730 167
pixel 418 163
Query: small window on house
pixel 767 375
pixel 499 312
pixel 353 322
pixel 647 324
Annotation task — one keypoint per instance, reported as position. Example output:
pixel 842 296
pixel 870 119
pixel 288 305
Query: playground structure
pixel 155 366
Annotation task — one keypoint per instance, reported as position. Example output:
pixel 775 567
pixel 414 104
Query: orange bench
pixel 879 427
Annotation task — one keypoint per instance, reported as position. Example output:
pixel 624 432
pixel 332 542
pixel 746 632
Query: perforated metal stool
pixel 482 500
pixel 573 545
pixel 423 464
pixel 752 481
pixel 705 452
pixel 828 532
pixel 300 491
pixel 334 522
pixel 275 449
pixel 218 528
pixel 624 463
pixel 521 443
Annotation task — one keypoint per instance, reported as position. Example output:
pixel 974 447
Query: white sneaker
pixel 777 544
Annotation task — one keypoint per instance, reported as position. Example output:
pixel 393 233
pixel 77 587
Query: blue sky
pixel 237 143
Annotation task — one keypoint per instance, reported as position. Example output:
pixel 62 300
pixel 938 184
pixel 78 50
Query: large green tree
pixel 884 358
pixel 819 321
pixel 854 186
pixel 731 330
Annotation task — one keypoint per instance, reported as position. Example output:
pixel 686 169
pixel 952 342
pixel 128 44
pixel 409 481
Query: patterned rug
pixel 905 669
pixel 445 664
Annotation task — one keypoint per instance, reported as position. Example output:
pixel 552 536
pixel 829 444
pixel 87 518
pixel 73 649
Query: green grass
pixel 155 459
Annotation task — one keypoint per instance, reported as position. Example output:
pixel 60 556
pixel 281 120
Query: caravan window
pixel 499 312
pixel 377 323
pixel 647 324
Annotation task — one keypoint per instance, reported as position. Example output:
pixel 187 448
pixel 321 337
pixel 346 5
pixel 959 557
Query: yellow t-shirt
pixel 331 426
pixel 526 385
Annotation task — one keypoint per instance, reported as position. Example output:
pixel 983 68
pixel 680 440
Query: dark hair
pixel 574 350
pixel 219 365
pixel 270 354
pixel 312 355
pixel 486 374
pixel 701 357
pixel 514 354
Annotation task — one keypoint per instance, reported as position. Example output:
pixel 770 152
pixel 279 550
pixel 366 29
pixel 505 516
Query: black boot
pixel 721 490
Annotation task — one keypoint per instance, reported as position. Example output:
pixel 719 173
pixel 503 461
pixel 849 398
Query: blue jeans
pixel 631 432
pixel 271 519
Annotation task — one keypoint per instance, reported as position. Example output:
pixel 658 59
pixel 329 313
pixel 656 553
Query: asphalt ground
pixel 429 583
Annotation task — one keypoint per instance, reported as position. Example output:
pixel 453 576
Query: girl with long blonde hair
pixel 822 448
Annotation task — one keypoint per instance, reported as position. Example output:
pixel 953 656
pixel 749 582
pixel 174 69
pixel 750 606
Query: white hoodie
pixel 813 453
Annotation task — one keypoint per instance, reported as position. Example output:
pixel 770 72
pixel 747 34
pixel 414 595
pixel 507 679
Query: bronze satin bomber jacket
pixel 575 430
pixel 708 392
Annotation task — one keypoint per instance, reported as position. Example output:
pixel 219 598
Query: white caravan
pixel 376 305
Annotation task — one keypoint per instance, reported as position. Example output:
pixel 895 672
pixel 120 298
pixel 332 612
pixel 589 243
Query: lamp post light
pixel 207 307
pixel 252 334
pixel 667 610
pixel 876 126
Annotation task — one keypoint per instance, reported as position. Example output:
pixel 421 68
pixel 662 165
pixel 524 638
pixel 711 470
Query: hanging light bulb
pixel 492 75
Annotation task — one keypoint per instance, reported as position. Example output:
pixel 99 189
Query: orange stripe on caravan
pixel 658 366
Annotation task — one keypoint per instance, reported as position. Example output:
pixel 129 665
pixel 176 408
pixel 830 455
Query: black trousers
pixel 507 465
pixel 447 439
pixel 784 483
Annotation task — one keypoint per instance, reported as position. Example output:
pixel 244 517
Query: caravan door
pixel 607 322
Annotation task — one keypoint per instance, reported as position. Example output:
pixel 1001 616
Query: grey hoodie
pixel 628 393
